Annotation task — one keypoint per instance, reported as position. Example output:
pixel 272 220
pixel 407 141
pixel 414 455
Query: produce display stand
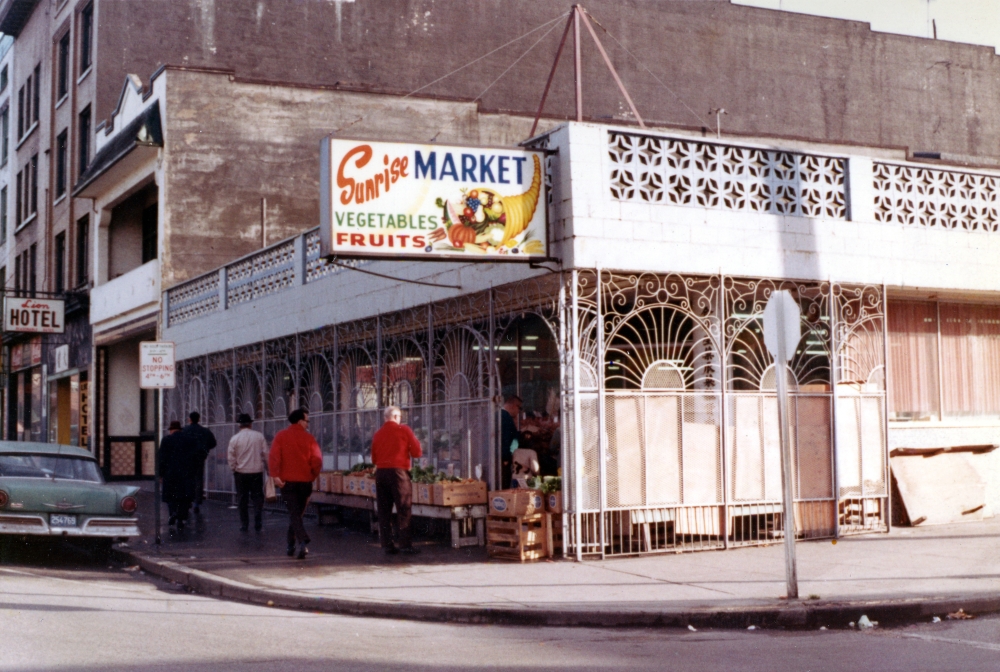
pixel 455 514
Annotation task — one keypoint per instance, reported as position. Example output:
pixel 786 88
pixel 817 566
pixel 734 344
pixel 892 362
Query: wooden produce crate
pixel 459 494
pixel 555 534
pixel 518 538
pixel 423 493
pixel 553 502
pixel 516 502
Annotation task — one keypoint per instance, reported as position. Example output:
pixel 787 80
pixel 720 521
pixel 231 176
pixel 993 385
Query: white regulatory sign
pixel 156 365
pixel 33 316
pixel 782 329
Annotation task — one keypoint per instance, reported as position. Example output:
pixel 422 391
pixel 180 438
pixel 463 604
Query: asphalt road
pixel 61 608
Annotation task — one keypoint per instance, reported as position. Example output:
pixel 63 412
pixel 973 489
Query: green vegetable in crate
pixel 551 484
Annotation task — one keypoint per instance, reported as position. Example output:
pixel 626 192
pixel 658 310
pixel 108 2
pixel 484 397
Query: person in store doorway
pixel 294 463
pixel 393 447
pixel 247 455
pixel 179 459
pixel 204 440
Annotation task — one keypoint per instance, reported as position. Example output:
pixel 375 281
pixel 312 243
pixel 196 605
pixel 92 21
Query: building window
pixel 59 269
pixel 61 150
pixel 82 250
pixel 3 79
pixel 18 200
pixel 17 273
pixel 5 129
pixel 965 382
pixel 86 37
pixel 3 215
pixel 149 233
pixel 63 87
pixel 84 140
pixel 37 91
pixel 33 206
pixel 33 268
pixel 20 112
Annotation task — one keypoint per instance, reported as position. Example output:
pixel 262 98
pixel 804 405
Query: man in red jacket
pixel 294 464
pixel 392 447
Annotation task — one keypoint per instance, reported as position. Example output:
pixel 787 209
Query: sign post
pixel 157 372
pixel 782 331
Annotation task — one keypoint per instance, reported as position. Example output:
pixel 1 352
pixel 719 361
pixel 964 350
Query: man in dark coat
pixel 204 441
pixel 179 458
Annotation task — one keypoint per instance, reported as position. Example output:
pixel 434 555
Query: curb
pixel 796 615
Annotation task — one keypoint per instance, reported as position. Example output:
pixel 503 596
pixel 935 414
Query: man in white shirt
pixel 247 456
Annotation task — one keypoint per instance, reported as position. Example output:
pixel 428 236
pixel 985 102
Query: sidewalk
pixel 911 573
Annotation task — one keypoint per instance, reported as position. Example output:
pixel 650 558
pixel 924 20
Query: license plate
pixel 59 520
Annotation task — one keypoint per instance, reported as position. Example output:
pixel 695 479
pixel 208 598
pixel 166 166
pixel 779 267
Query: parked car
pixel 52 490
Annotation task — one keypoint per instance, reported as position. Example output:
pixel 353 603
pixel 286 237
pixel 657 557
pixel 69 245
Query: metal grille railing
pixel 271 270
pixel 935 198
pixel 659 169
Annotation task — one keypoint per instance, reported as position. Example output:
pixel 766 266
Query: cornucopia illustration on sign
pixel 482 221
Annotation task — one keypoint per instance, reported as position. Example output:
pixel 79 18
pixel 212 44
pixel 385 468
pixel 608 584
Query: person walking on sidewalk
pixel 204 440
pixel 246 455
pixel 294 463
pixel 392 447
pixel 178 461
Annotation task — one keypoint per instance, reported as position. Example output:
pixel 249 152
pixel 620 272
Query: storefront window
pixel 966 380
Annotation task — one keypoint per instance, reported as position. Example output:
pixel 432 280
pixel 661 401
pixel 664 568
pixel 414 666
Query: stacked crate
pixel 517 527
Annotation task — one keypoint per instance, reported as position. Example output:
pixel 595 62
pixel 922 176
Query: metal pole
pixel 156 463
pixel 545 93
pixel 576 60
pixel 780 366
pixel 834 359
pixel 577 420
pixel 723 410
pixel 885 406
pixel 602 441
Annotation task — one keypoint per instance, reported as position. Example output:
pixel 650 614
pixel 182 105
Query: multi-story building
pixel 193 140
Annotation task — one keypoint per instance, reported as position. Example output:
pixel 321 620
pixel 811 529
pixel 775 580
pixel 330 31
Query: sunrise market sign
pixel 399 200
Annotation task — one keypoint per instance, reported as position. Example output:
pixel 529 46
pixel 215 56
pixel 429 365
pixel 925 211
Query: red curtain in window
pixel 913 365
pixel 970 359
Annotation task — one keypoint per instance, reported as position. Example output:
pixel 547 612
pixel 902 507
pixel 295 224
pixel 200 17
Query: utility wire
pixel 644 67
pixel 335 262
pixel 547 24
pixel 493 83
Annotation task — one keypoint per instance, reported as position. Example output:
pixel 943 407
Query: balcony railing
pixel 290 262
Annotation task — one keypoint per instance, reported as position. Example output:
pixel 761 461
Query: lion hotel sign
pixel 397 200
pixel 33 316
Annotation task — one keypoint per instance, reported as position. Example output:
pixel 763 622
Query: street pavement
pixel 954 565
pixel 62 610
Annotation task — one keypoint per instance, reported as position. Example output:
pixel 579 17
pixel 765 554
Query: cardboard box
pixel 367 486
pixel 352 485
pixel 336 483
pixel 517 502
pixel 553 502
pixel 459 494
pixel 423 493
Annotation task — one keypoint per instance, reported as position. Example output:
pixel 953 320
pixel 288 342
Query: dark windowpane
pixel 84 140
pixel 27 105
pixel 149 233
pixel 3 79
pixel 86 37
pixel 33 266
pixel 3 215
pixel 5 141
pixel 17 199
pixel 17 273
pixel 63 65
pixel 20 112
pixel 38 88
pixel 34 184
pixel 61 142
pixel 82 251
pixel 60 262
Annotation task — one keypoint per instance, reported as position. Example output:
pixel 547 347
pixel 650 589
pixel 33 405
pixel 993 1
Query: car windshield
pixel 50 466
